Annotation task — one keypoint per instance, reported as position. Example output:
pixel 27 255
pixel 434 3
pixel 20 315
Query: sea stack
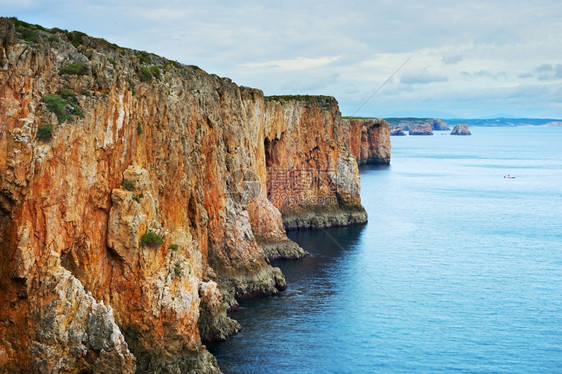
pixel 461 129
pixel 424 129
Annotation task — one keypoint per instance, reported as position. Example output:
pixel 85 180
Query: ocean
pixel 458 269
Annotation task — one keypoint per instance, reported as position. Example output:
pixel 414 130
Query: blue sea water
pixel 458 269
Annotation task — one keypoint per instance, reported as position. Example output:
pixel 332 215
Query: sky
pixel 447 59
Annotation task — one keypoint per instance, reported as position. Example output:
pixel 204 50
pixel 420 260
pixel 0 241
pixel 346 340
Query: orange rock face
pixel 312 177
pixel 142 145
pixel 369 140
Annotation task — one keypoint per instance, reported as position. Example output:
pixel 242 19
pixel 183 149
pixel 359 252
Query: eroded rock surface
pixel 126 231
pixel 368 140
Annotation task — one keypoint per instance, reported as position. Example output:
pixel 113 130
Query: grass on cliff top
pixel 31 34
pixel 352 117
pixel 296 98
pixel 28 32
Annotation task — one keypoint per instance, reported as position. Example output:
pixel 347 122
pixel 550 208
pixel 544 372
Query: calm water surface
pixel 458 269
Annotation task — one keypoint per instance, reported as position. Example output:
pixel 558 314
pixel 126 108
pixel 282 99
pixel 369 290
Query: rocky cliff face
pixel 312 177
pixel 139 198
pixel 369 140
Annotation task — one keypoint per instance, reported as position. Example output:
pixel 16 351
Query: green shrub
pixel 139 128
pixel 151 239
pixel 173 247
pixel 57 105
pixel 85 93
pixel 112 61
pixel 64 105
pixel 76 68
pixel 136 198
pixel 174 64
pixel 128 185
pixel 29 35
pixel 155 71
pixel 76 38
pixel 143 57
pixel 28 31
pixel 44 133
pixel 144 74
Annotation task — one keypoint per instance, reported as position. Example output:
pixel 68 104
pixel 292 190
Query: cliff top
pixel 148 66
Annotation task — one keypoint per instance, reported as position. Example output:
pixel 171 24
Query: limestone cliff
pixel 138 201
pixel 312 177
pixel 368 140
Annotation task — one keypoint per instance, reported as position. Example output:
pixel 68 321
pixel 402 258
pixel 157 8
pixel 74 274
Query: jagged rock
pixel 425 129
pixel 214 324
pixel 397 131
pixel 460 129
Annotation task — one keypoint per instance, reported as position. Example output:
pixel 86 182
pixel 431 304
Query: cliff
pixel 140 198
pixel 368 140
pixel 407 123
pixel 312 177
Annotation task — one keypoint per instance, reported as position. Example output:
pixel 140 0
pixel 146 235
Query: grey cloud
pixel 549 72
pixel 545 72
pixel 422 77
pixel 452 60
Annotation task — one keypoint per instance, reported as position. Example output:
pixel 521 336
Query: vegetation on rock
pixel 44 133
pixel 128 185
pixel 64 105
pixel 151 239
pixel 74 69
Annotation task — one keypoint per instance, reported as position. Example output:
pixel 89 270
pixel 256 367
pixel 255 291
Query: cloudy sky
pixel 478 58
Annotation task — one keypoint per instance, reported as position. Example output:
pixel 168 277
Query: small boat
pixel 509 176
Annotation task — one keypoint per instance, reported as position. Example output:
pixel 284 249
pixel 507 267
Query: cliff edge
pixel 140 198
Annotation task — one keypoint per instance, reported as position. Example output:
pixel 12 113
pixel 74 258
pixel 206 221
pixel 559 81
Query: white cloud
pixel 299 63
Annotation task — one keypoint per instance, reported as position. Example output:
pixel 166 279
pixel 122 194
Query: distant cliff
pixel 140 198
pixel 369 140
pixel 421 130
